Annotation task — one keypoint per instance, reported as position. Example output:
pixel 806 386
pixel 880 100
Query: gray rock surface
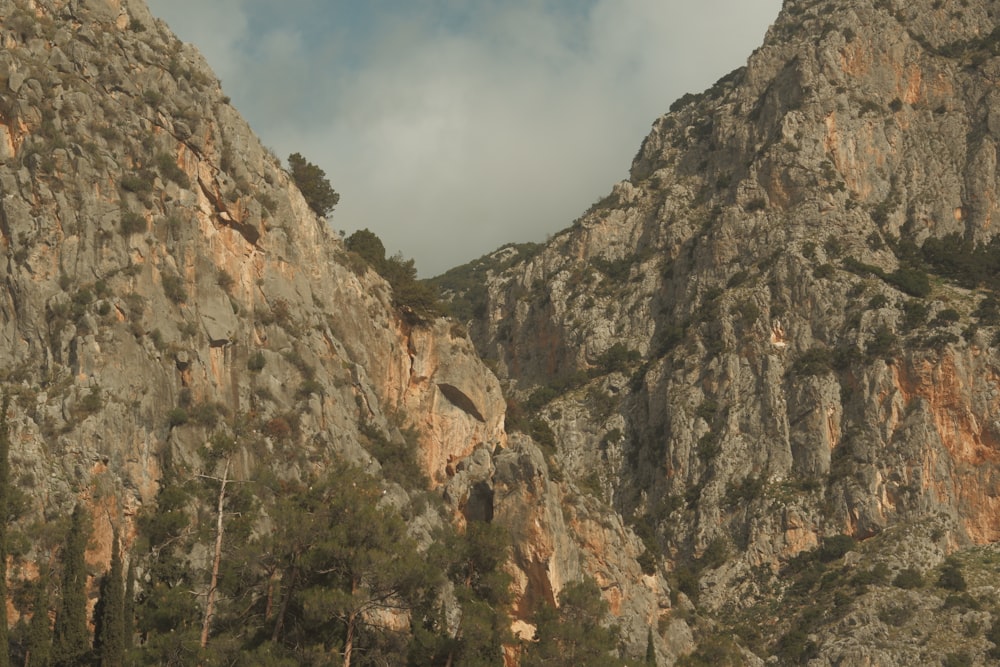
pixel 725 348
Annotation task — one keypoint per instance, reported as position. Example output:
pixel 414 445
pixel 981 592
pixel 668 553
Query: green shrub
pixel 177 417
pixel 993 635
pixel 947 316
pixel 835 547
pixel 91 402
pixel 542 433
pixel 256 362
pixel 795 647
pixel 961 601
pixel 173 287
pixel 414 298
pixel 132 223
pixel 959 659
pixel 169 168
pixel 152 97
pixel 876 576
pixel 224 280
pixel 824 271
pixel 814 361
pixel 878 301
pixel 616 271
pixel 714 651
pixel 617 358
pixel 896 615
pixel 709 447
pixel 397 458
pixel 716 553
pixel 309 387
pixel 707 409
pixel 368 245
pixel 910 280
pixel 951 577
pixel 988 310
pixel 685 579
pixel 541 397
pixel 914 314
pixel 882 344
pixel 139 183
pixel 206 414
pixel 647 562
pixel 908 579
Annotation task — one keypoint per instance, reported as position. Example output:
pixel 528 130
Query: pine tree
pixel 573 636
pixel 128 606
pixel 109 639
pixel 650 650
pixel 71 645
pixel 4 516
pixel 39 649
pixel 344 564
pixel 312 182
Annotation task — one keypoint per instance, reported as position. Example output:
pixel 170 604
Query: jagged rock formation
pixel 740 348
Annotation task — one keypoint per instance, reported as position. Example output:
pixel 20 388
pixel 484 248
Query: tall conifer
pixel 4 517
pixel 39 651
pixel 109 640
pixel 128 607
pixel 71 644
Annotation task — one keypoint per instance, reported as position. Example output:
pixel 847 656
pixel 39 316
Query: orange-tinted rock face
pixel 446 391
pixel 959 392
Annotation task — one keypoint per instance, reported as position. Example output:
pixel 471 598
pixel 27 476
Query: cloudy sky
pixel 451 127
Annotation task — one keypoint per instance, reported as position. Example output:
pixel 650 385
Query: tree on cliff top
pixel 312 182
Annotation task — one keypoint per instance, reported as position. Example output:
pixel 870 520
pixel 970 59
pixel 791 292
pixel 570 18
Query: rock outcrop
pixel 750 346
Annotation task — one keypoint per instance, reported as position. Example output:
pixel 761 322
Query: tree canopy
pixel 314 185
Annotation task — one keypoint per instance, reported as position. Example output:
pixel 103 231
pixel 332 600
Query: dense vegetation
pixel 416 299
pixel 277 570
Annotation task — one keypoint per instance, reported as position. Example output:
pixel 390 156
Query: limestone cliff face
pixel 738 346
pixel 162 279
pixel 732 357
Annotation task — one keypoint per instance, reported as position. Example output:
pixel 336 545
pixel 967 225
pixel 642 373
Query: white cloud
pixel 447 141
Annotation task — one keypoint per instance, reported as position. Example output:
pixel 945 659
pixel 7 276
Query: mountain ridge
pixel 750 396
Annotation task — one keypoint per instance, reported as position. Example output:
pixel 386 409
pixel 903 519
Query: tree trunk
pixel 349 642
pixel 352 619
pixel 206 626
pixel 279 622
pixel 269 604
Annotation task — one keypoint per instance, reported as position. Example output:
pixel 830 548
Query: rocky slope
pixel 163 280
pixel 772 333
pixel 752 393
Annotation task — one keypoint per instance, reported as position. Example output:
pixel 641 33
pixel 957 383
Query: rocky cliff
pixel 752 393
pixel 157 257
pixel 777 332
pixel 165 284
